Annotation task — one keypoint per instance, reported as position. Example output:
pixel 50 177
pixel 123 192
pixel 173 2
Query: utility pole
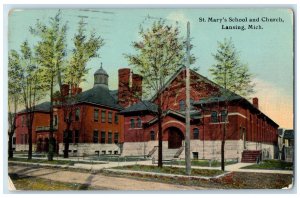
pixel 187 110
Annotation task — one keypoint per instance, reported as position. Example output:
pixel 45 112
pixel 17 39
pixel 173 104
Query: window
pixel 76 136
pixel 102 137
pixel 14 140
pixel 131 123
pixel 96 115
pixel 152 135
pixel 181 105
pixel 223 116
pixel 116 118
pixel 192 107
pixel 196 133
pixel 103 116
pixel 77 114
pixel 139 123
pixel 70 137
pixel 95 136
pixel 109 117
pixel 195 155
pixel 116 138
pixel 26 138
pixel 214 117
pixel 55 120
pixel 109 138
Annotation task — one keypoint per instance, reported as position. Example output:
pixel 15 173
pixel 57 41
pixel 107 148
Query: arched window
pixel 77 114
pixel 139 123
pixel 152 135
pixel 181 105
pixel 214 117
pixel 132 123
pixel 196 133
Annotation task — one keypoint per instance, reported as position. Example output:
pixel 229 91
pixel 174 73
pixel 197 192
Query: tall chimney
pixel 136 88
pixel 65 90
pixel 255 102
pixel 124 89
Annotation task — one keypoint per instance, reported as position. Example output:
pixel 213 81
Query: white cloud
pixel 178 16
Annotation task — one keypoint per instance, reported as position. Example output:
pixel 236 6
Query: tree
pixel 32 88
pixel 160 54
pixel 50 55
pixel 14 95
pixel 84 49
pixel 233 77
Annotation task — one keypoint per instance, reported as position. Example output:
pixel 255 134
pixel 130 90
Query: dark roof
pixel 114 94
pixel 194 115
pixel 288 134
pixel 99 95
pixel 215 99
pixel 141 106
pixel 43 107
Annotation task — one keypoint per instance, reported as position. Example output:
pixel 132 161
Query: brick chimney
pixel 124 89
pixel 65 89
pixel 130 87
pixel 255 102
pixel 136 88
pixel 76 90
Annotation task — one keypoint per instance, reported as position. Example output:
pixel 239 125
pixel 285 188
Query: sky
pixel 268 52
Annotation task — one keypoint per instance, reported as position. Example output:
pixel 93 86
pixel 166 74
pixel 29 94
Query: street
pixel 97 181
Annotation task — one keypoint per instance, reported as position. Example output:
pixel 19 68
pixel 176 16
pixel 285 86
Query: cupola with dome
pixel 101 77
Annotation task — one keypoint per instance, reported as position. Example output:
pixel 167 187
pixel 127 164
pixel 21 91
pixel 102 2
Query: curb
pixel 168 175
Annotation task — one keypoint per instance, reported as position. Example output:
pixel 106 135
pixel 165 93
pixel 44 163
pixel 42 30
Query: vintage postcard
pixel 150 99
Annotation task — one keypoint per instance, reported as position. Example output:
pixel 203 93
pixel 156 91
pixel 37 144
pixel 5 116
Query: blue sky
pixel 268 52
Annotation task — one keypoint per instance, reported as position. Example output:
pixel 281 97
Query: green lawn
pixel 204 163
pixel 272 165
pixel 43 161
pixel 171 170
pixel 34 183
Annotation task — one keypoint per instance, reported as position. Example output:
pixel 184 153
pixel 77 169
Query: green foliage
pixel 14 75
pixel 272 165
pixel 160 53
pixel 204 163
pixel 171 170
pixel 50 50
pixel 229 72
pixel 85 49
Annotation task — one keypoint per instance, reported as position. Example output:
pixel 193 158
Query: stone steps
pixel 249 156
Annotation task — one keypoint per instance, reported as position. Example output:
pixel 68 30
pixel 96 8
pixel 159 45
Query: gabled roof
pixel 195 115
pixel 43 107
pixel 99 95
pixel 173 77
pixel 141 106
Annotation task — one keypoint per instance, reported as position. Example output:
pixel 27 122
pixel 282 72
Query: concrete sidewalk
pixel 95 167
pixel 106 164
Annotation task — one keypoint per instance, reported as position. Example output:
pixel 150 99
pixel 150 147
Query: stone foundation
pixel 202 149
pixel 25 147
pixel 90 149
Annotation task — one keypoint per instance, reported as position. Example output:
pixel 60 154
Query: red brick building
pixel 247 128
pixel 116 122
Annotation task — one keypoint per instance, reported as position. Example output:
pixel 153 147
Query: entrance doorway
pixel 175 138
